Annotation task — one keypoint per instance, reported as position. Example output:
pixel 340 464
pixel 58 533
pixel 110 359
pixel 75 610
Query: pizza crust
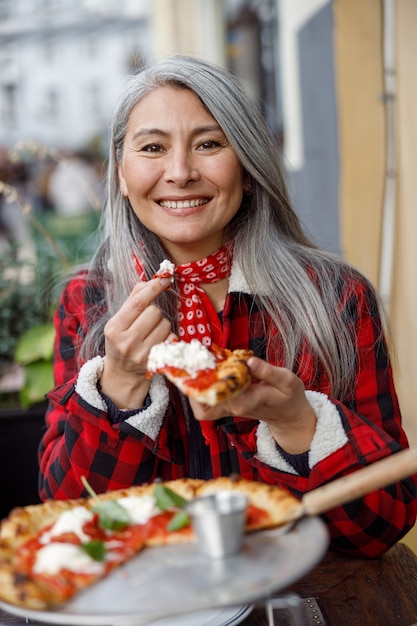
pixel 233 377
pixel 280 505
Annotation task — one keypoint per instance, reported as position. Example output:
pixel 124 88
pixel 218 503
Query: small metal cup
pixel 218 520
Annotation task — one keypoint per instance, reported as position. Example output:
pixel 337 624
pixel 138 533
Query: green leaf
pixel 180 520
pixel 35 344
pixel 38 381
pixel 95 549
pixel 166 498
pixel 112 515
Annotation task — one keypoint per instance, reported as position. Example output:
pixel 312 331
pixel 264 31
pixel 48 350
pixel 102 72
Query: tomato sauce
pixel 204 379
pixel 255 516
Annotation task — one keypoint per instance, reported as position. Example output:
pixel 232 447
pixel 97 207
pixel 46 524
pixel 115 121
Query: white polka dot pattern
pixel 194 307
pixel 197 318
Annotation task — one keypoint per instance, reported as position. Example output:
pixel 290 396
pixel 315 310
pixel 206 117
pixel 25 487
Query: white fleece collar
pixel 238 282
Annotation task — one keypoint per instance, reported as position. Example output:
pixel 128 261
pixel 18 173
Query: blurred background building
pixel 61 62
pixel 336 80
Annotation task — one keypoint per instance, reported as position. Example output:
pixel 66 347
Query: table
pixel 348 592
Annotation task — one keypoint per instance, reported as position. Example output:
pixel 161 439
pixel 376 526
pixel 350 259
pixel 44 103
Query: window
pixel 51 104
pixel 9 104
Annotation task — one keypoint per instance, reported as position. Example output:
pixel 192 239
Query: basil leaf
pixel 180 520
pixel 112 515
pixel 166 498
pixel 95 549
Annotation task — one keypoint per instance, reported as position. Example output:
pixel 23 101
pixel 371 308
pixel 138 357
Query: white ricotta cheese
pixel 166 266
pixel 55 556
pixel 192 356
pixel 139 508
pixel 71 521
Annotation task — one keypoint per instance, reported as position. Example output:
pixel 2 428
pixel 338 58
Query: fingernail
pixel 165 282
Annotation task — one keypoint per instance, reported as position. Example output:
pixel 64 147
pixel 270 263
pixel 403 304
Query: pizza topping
pixel 168 499
pixel 96 549
pixel 139 509
pixel 112 515
pixel 180 520
pixel 71 521
pixel 166 270
pixel 191 357
pixel 55 556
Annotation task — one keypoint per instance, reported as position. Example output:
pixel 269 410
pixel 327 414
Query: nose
pixel 181 167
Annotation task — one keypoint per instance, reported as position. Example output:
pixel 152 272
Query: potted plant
pixel 29 284
pixel 29 289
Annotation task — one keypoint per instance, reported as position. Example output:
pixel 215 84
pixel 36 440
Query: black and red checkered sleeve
pixel 80 439
pixel 371 419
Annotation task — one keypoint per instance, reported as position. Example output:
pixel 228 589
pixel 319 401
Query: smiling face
pixel 182 177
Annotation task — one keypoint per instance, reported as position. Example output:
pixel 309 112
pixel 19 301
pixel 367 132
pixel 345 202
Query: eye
pixel 152 148
pixel 209 144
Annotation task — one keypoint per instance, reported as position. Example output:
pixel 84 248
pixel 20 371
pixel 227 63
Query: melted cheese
pixel 139 508
pixel 56 556
pixel 71 521
pixel 192 357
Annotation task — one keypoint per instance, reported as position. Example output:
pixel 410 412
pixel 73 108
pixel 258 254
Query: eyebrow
pixel 143 132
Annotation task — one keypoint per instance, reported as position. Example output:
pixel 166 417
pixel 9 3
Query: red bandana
pixel 197 316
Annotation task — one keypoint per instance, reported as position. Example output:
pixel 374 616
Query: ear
pixel 122 181
pixel 247 186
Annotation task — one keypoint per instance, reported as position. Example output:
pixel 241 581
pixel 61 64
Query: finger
pixel 141 296
pixel 158 333
pixel 205 412
pixel 143 293
pixel 147 329
pixel 271 374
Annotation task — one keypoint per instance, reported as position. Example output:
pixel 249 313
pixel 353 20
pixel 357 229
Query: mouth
pixel 183 204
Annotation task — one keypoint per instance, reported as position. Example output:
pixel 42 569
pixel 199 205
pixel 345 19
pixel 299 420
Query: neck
pixel 217 293
pixel 192 252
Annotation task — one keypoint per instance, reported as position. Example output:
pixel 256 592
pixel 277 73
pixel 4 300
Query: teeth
pixel 183 204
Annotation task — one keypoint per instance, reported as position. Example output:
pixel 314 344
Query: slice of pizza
pixel 209 375
pixel 52 551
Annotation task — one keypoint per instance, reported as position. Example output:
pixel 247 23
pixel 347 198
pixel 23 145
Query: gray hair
pixel 305 285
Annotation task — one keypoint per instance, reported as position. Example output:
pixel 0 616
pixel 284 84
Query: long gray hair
pixel 305 284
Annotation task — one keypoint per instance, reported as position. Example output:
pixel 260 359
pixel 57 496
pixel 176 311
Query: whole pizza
pixel 50 552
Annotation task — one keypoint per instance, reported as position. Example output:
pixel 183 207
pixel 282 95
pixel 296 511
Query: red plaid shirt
pixel 81 440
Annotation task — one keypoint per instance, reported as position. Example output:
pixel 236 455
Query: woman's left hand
pixel 278 398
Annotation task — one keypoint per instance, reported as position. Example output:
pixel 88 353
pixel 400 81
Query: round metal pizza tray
pixel 175 580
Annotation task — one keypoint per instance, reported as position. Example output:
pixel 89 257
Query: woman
pixel 195 177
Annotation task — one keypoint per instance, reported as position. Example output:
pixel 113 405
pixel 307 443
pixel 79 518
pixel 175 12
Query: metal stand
pixel 291 610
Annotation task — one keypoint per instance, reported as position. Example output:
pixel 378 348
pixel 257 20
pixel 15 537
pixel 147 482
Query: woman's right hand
pixel 129 335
